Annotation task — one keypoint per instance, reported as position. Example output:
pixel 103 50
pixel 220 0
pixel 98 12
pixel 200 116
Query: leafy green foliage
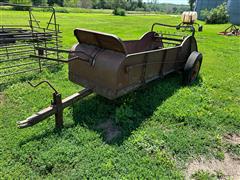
pixel 203 175
pixel 119 12
pixel 39 2
pixel 218 15
pixel 20 8
pixel 25 2
pixel 55 2
pixel 234 148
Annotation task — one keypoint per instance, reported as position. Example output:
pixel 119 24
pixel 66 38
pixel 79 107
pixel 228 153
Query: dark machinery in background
pixel 233 7
pixel 232 30
pixel 234 13
pixel 20 44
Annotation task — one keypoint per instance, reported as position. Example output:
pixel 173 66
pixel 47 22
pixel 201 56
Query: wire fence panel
pixel 23 36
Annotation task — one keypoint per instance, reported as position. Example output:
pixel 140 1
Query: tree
pixel 86 3
pixel 58 2
pixel 191 4
pixel 140 4
pixel 72 3
pixel 26 2
pixel 39 2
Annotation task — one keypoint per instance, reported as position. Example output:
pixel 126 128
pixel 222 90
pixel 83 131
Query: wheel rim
pixel 195 71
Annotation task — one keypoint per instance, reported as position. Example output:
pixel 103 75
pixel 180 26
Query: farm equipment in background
pixel 189 18
pixel 19 42
pixel 232 30
pixel 234 19
pixel 104 64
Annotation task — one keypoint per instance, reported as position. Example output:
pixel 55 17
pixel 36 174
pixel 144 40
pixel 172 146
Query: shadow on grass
pixel 115 120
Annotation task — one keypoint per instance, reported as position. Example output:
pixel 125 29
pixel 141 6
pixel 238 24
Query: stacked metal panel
pixel 23 38
pixel 234 11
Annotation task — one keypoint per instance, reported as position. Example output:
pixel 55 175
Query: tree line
pixel 96 4
pixel 129 5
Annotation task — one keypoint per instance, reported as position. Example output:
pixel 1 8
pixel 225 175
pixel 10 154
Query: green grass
pixel 202 175
pixel 163 126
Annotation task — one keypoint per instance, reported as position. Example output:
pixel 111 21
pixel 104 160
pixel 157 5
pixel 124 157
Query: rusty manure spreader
pixel 110 67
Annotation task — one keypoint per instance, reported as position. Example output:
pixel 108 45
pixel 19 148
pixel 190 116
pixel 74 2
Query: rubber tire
pixel 193 59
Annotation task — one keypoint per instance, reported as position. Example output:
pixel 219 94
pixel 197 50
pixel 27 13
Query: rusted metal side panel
pixel 110 72
pixel 138 69
pixel 169 60
pixel 147 42
pixel 187 47
pixel 100 75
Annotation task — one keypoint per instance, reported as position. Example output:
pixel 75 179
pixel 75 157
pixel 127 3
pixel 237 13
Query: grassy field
pixel 160 128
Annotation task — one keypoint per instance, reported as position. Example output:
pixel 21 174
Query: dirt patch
pixel 1 98
pixel 110 130
pixel 232 138
pixel 229 167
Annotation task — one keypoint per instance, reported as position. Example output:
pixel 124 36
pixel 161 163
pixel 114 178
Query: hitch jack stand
pixel 57 103
pixel 56 108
